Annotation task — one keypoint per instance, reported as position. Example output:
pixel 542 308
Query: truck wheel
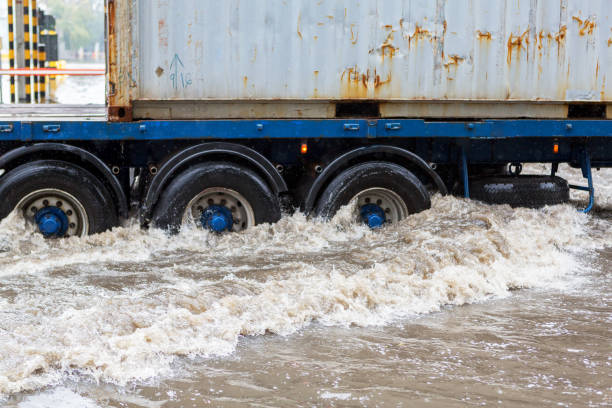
pixel 385 193
pixel 220 197
pixel 62 199
pixel 520 191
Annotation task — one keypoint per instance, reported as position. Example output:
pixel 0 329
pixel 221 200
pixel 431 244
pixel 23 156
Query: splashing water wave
pixel 122 306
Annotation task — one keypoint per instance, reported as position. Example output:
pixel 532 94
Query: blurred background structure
pixel 39 36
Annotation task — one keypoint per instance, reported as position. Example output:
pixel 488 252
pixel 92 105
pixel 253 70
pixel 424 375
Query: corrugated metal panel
pixel 510 50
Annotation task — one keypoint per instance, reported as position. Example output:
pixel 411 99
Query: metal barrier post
pixel 42 57
pixel 11 39
pixel 27 53
pixel 35 48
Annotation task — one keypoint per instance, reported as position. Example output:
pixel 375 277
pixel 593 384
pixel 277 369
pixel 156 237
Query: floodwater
pixel 75 90
pixel 81 90
pixel 464 304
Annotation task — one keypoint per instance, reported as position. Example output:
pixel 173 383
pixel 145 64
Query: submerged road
pixel 462 304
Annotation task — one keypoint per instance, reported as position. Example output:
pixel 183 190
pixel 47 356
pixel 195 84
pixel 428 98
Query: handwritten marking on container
pixel 179 78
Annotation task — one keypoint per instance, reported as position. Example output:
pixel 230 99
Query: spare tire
pixel 521 191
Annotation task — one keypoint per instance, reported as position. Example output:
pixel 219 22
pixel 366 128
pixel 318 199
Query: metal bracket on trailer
pixel 585 164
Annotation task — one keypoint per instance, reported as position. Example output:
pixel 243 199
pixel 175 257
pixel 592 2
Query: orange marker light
pixel 556 148
pixel 304 148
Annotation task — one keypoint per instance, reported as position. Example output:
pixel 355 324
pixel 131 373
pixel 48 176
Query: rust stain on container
pixel 419 33
pixel 245 81
pixel 561 35
pixel 111 55
pixel 586 26
pixel 354 84
pixel 299 29
pixel 387 48
pixel 541 37
pixel 453 60
pixel 119 70
pixel 110 15
pixel 517 42
pixel 378 82
pixel 483 36
pixel 354 37
pixel 163 33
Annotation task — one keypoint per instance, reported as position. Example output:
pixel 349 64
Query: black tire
pixel 171 207
pixel 369 175
pixel 521 191
pixel 53 174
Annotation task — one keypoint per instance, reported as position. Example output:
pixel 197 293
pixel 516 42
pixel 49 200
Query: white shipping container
pixel 297 58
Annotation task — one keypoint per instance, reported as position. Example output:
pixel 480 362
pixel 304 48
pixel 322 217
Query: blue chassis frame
pixel 298 129
pixel 580 132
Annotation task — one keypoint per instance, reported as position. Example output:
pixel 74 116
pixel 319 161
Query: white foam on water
pixel 59 397
pixel 340 396
pixel 124 305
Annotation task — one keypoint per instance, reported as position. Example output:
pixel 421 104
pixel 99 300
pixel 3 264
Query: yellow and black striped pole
pixel 11 38
pixel 42 57
pixel 26 43
pixel 35 48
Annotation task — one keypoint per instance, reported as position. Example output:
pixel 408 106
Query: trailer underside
pixel 296 160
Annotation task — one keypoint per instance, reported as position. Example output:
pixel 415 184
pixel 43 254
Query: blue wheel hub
pixel 217 218
pixel 373 216
pixel 52 222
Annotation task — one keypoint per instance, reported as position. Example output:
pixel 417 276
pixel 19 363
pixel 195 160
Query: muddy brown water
pixel 464 304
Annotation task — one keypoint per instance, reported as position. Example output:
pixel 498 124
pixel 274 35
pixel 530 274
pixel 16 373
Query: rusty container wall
pixel 181 59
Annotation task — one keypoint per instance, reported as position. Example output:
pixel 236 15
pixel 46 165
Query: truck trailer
pixel 221 115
